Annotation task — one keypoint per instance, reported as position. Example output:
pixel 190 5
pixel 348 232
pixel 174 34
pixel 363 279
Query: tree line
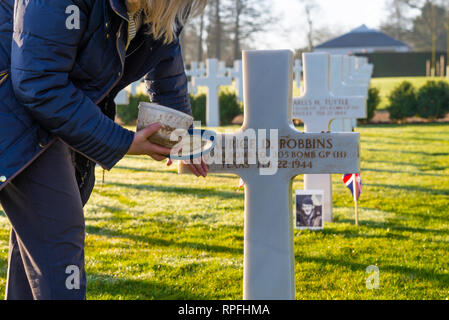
pixel 225 29
pixel 422 24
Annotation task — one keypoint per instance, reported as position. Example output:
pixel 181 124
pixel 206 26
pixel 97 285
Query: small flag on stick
pixel 354 183
pixel 241 185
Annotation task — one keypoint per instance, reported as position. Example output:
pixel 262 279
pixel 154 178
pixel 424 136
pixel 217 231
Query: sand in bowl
pixel 173 124
pixel 170 120
pixel 191 145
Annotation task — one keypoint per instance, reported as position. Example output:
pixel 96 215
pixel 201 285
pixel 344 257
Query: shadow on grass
pixel 162 242
pixel 396 163
pixel 417 139
pixel 147 170
pixel 392 227
pixel 403 126
pixel 201 193
pixel 419 153
pixel 357 235
pixel 442 192
pixel 99 285
pixel 403 172
pixel 442 279
pixel 133 169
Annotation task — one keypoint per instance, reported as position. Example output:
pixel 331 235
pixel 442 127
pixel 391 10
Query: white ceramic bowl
pixel 171 120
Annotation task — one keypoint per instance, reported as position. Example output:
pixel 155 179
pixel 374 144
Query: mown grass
pixel 152 234
pixel 387 85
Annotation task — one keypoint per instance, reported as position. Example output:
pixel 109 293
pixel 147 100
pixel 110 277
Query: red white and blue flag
pixel 356 189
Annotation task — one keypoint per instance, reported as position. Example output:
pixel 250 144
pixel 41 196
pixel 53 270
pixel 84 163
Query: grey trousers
pixel 46 253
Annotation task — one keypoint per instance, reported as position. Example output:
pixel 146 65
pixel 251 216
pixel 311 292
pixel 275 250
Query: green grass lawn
pixel 387 85
pixel 152 234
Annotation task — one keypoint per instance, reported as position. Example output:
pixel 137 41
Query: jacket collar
pixel 119 7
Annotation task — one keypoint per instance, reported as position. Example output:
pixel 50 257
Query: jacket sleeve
pixel 167 82
pixel 43 54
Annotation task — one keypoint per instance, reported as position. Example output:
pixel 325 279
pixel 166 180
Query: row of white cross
pixel 342 76
pixel 335 88
pixel 213 75
pixel 334 94
pixel 330 92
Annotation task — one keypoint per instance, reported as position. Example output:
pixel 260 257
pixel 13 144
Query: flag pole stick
pixel 354 187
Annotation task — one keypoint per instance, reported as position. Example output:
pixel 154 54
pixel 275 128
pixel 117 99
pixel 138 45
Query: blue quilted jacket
pixel 59 78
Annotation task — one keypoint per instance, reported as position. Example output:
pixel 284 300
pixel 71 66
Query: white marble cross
pixel 202 69
pixel 213 81
pixel 317 108
pixel 297 70
pixel 358 87
pixel 194 72
pixel 122 97
pixel 338 87
pixel 269 262
pixel 364 66
pixel 358 74
pixel 134 86
pixel 237 75
pixel 222 70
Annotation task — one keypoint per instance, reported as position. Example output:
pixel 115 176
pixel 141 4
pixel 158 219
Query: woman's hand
pixel 198 169
pixel 141 145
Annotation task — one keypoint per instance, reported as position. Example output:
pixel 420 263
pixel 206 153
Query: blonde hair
pixel 166 16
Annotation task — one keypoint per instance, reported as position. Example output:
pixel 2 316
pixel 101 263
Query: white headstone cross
pixel 339 88
pixel 269 260
pixel 317 108
pixel 134 86
pixel 194 72
pixel 122 97
pixel 237 75
pixel 358 74
pixel 363 69
pixel 213 81
pixel 222 70
pixel 357 87
pixel 297 70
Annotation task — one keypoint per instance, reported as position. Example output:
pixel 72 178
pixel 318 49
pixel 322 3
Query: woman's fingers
pixel 157 157
pixel 205 166
pixel 194 170
pixel 200 169
pixel 197 169
pixel 149 131
pixel 154 148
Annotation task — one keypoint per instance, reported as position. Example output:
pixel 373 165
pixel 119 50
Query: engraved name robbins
pixel 225 310
pixel 293 153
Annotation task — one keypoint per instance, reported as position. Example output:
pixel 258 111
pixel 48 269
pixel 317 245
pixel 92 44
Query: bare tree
pixel 249 17
pixel 310 7
pixel 217 35
pixel 398 21
pixel 200 40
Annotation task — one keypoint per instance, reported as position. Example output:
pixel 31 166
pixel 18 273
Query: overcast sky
pixel 341 15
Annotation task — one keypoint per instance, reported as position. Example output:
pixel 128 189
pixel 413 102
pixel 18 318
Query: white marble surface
pixel 268 244
pixel 317 108
pixel 212 81
pixel 236 74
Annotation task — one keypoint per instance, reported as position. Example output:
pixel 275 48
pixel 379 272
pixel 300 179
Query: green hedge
pixel 230 107
pixel 402 102
pixel 374 100
pixel 128 113
pixel 431 101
